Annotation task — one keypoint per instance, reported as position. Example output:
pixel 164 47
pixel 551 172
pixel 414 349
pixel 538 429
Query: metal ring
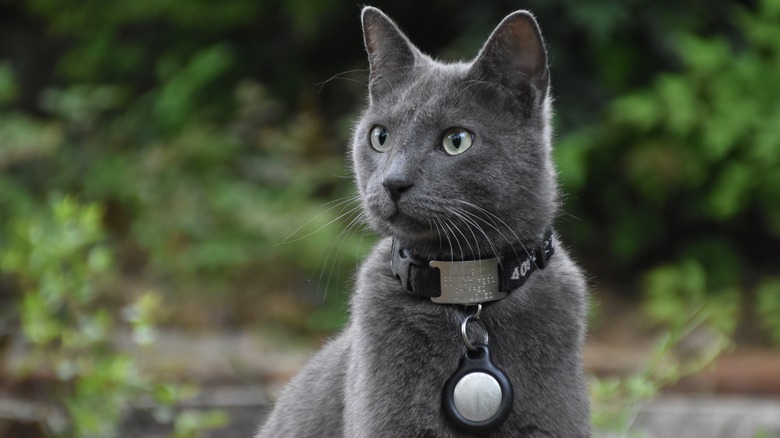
pixel 479 309
pixel 465 336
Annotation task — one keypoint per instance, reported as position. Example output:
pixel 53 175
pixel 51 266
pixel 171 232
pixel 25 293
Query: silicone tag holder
pixel 477 361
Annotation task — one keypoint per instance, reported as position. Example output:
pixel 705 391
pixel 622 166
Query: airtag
pixel 478 397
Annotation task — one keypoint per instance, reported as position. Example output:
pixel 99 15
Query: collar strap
pixel 468 281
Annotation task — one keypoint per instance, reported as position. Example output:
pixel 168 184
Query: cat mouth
pixel 406 226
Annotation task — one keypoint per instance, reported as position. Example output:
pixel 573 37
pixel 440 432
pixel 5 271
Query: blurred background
pixel 177 229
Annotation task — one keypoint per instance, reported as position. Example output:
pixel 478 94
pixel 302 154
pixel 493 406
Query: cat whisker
pixel 495 228
pixel 512 246
pixel 363 231
pixel 431 226
pixel 561 203
pixel 509 228
pixel 344 203
pixel 391 83
pixel 340 239
pixel 441 224
pixel 464 216
pixel 476 241
pixel 470 83
pixel 322 84
pixel 501 221
pixel 466 239
pixel 448 223
pixel 438 232
pixel 535 194
pixel 342 214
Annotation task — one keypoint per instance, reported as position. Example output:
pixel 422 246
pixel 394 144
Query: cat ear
pixel 390 54
pixel 514 55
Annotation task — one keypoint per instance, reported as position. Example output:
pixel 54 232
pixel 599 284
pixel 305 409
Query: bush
pixel 59 260
pixel 689 168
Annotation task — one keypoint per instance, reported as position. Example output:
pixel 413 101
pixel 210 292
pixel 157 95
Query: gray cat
pixel 453 167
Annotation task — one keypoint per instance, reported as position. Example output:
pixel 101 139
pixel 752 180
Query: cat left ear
pixel 390 54
pixel 514 55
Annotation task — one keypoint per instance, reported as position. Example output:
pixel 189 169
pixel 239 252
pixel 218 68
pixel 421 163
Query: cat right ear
pixel 515 55
pixel 390 54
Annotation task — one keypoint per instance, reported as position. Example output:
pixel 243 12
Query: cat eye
pixel 380 139
pixel 457 140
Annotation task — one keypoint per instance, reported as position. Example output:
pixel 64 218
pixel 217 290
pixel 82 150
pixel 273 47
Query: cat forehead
pixel 437 88
pixel 432 85
pixel 431 82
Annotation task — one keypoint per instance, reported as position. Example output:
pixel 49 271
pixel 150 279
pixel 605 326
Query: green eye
pixel 380 139
pixel 457 140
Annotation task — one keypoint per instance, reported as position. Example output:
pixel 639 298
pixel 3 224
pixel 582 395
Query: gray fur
pixel 383 375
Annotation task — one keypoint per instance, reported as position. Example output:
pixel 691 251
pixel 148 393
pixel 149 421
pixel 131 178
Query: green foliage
pixel 680 176
pixel 705 126
pixel 764 434
pixel 24 139
pixel 182 84
pixel 675 291
pixel 38 253
pixel 202 188
pixel 190 424
pixel 8 88
pixel 59 260
pixel 705 140
pixel 116 40
pixel 687 169
pixel 616 399
pixel 768 297
pixel 218 165
pixel 204 171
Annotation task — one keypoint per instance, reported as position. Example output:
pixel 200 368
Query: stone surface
pixel 241 372
pixel 669 416
pixel 723 417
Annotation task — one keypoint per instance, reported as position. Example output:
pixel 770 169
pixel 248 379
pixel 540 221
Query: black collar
pixel 470 281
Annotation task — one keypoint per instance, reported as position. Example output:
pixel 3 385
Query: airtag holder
pixel 478 397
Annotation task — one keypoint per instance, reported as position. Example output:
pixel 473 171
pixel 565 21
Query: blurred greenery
pixel 681 175
pixel 616 399
pixel 207 146
pixel 59 260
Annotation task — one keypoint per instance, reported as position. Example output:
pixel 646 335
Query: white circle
pixel 477 396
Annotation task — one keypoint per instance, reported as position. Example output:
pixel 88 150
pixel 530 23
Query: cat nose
pixel 396 185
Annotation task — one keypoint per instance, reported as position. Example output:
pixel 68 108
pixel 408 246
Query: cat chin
pixel 428 244
pixel 410 234
pixel 406 229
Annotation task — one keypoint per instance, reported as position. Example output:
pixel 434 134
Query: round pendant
pixel 478 397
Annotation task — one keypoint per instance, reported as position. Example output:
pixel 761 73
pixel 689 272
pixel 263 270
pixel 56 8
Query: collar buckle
pixel 413 273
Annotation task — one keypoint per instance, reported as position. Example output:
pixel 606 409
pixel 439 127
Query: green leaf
pixel 768 306
pixel 731 191
pixel 8 87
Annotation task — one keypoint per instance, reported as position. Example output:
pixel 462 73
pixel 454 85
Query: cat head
pixel 453 159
